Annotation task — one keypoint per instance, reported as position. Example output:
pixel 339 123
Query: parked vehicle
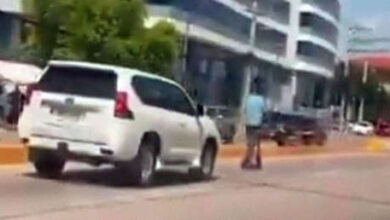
pixel 225 119
pixel 290 128
pixel 101 114
pixel 382 128
pixel 362 128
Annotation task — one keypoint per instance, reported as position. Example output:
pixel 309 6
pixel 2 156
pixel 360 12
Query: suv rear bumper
pixel 76 149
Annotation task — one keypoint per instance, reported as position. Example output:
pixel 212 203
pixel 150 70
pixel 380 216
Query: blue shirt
pixel 254 110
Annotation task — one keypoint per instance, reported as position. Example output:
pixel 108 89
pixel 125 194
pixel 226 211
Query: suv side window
pixel 163 95
pixel 178 101
pixel 150 91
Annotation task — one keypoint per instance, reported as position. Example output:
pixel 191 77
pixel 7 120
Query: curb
pixel 13 154
pixel 270 149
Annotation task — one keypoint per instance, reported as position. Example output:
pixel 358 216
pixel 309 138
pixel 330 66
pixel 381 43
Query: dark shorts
pixel 253 136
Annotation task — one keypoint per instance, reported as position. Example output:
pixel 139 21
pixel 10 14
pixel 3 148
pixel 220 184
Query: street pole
pixel 362 100
pixel 344 117
pixel 251 67
pixel 252 45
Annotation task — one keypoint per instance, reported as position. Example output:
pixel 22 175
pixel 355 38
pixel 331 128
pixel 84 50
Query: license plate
pixel 65 116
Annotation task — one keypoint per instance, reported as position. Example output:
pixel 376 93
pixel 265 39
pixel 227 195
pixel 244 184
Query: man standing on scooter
pixel 255 108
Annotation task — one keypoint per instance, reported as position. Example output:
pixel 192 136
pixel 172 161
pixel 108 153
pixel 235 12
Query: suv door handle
pixel 182 124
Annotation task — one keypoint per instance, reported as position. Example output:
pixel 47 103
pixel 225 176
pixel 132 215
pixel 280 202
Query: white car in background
pixel 362 128
pixel 106 114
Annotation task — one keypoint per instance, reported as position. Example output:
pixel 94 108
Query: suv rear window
pixel 79 81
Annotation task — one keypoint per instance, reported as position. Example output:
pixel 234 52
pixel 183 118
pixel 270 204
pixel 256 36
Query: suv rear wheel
pixel 142 169
pixel 47 163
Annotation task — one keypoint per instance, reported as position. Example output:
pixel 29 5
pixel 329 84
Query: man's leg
pixel 259 162
pixel 250 149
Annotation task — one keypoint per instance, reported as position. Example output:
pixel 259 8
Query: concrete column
pixel 363 101
pixel 270 81
pixel 246 83
pixel 294 90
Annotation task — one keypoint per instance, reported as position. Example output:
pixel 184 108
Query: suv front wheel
pixel 207 163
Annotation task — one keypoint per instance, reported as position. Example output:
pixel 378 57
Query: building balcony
pixel 312 65
pixel 316 25
pixel 314 58
pixel 190 18
pixel 271 40
pixel 308 34
pixel 309 7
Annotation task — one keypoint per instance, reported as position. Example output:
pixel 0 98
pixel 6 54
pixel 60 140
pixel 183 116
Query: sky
pixel 374 14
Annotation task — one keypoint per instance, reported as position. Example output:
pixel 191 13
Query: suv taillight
pixel 121 106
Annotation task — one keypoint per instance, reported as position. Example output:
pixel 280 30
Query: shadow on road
pixel 111 177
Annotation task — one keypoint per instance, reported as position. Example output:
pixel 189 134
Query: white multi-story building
pixel 295 47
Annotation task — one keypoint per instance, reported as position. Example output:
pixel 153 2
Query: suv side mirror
pixel 200 110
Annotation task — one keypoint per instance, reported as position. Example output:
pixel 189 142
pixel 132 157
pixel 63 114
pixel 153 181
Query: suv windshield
pixel 79 81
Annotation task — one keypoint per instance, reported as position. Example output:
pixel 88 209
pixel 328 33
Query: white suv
pixel 106 114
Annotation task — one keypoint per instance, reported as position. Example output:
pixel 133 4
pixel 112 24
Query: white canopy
pixel 19 73
pixel 13 6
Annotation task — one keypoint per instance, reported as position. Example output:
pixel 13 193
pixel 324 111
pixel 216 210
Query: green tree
pixel 105 31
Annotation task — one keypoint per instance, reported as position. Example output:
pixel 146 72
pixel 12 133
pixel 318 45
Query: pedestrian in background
pixel 255 108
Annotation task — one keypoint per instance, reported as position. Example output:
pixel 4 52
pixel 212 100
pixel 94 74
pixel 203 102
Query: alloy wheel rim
pixel 207 162
pixel 147 166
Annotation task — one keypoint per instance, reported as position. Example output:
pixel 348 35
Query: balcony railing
pixel 278 49
pixel 215 26
pixel 202 21
pixel 317 61
pixel 334 10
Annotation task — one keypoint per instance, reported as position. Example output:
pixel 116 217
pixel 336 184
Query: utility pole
pixel 252 45
pixel 362 99
pixel 184 55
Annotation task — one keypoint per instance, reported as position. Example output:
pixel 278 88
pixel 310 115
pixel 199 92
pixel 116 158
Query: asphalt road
pixel 354 186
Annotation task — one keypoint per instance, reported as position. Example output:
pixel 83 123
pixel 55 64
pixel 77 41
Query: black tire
pixel 143 168
pixel 48 163
pixel 307 141
pixel 280 139
pixel 281 143
pixel 320 143
pixel 207 165
pixel 321 140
